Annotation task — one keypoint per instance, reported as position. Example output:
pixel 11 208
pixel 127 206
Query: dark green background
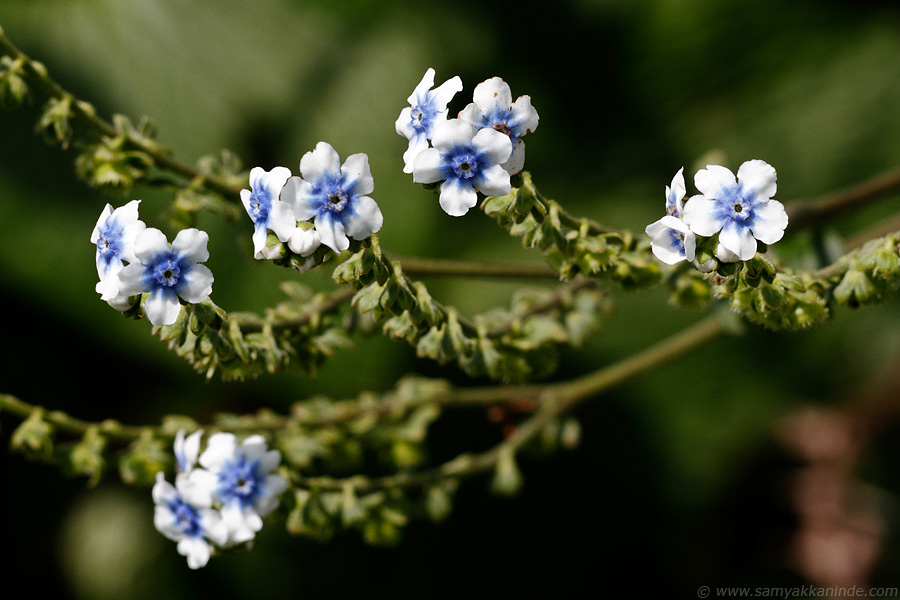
pixel 679 480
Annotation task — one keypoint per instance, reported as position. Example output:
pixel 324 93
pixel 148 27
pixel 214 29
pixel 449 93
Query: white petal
pixel 758 175
pixel 403 124
pixel 453 132
pixel 214 527
pixel 131 280
pixel 254 447
pixel 197 487
pixel 149 243
pixel 496 146
pixel 429 167
pixel 108 286
pixel 357 175
pixel 523 118
pixel 242 524
pixel 270 460
pixel 273 487
pixel 492 92
pixel 516 160
pixel 472 114
pixel 162 308
pixel 220 448
pixel 457 198
pixel 495 181
pixel 197 284
pixel 418 143
pixel 769 221
pixel 104 214
pixel 196 550
pixel 739 241
pixel 260 235
pixel 320 163
pixel 163 491
pixel 331 232
pixel 297 194
pixel 192 245
pixel 442 95
pixel 365 220
pixel 282 220
pixel 700 214
pixel 712 179
pixel 166 523
pixel 423 87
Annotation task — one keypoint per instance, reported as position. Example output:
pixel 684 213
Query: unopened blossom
pixel 426 108
pixel 114 236
pixel 467 160
pixel 268 212
pixel 741 210
pixel 493 107
pixel 304 241
pixel 335 196
pixel 168 272
pixel 241 479
pixel 193 525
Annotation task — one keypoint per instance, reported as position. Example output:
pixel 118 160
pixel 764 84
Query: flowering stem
pixel 85 111
pixel 419 267
pixel 554 400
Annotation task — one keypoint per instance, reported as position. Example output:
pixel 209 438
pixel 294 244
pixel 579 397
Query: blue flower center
pixel 109 242
pixel 337 199
pixel 676 240
pixel 465 165
pixel 735 205
pixel 187 518
pixel 240 481
pixel 166 272
pixel 259 206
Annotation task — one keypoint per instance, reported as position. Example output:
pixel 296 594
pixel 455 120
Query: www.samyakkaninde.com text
pixel 803 591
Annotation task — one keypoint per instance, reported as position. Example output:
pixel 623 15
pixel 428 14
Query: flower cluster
pixel 326 205
pixel 134 259
pixel 220 503
pixel 476 152
pixel 730 216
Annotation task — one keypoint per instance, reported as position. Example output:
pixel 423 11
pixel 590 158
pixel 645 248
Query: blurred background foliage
pixel 683 478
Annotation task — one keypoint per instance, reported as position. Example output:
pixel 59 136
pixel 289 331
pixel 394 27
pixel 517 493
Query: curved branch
pixel 823 208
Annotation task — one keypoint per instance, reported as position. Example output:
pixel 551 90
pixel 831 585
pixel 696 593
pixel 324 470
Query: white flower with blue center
pixel 114 236
pixel 241 479
pixel 266 209
pixel 493 107
pixel 193 525
pixel 426 108
pixel 740 210
pixel 673 241
pixel 168 272
pixel 468 160
pixel 335 196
